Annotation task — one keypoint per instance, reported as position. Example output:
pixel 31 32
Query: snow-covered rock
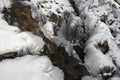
pixel 29 68
pixel 68 23
pixel 100 19
pixel 12 40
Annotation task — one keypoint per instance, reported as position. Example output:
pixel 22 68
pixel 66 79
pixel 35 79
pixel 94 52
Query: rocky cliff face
pixel 81 36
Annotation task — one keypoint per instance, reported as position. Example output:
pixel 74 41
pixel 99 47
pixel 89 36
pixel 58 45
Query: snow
pixel 43 9
pixel 4 25
pixel 114 78
pixel 47 8
pixel 91 20
pixel 12 40
pixel 92 11
pixel 66 5
pixel 90 78
pixel 48 29
pixel 70 30
pixel 100 60
pixel 50 6
pixel 29 68
pixel 5 3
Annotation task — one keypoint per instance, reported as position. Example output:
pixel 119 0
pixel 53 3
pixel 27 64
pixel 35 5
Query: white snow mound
pixel 12 40
pixel 29 68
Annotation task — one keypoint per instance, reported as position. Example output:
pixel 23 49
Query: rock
pixel 70 65
pixel 106 70
pixel 103 18
pixel 9 55
pixel 53 17
pixel 103 47
pixel 80 52
pixel 21 14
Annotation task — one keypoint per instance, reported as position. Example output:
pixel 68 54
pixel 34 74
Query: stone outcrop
pixel 20 15
pixel 103 47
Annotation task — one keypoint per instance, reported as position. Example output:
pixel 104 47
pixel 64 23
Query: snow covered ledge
pixel 29 68
pixel 96 59
pixel 12 40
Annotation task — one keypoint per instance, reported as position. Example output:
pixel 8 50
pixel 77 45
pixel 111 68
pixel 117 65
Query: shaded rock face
pixel 70 65
pixel 103 18
pixel 21 15
pixel 107 70
pixel 80 52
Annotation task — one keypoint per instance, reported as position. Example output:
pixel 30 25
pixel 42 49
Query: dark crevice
pixel 10 55
pixel 72 2
pixel 80 48
pixel 80 52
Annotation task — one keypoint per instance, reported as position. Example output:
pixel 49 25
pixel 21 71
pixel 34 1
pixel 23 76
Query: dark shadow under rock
pixel 80 52
pixel 103 18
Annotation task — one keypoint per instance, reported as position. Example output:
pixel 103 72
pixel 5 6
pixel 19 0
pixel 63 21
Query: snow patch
pixel 29 68
pixel 5 3
pixel 12 40
pixel 90 78
pixel 95 59
pixel 48 29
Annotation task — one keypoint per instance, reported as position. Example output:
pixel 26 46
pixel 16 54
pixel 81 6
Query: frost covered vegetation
pixel 60 39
